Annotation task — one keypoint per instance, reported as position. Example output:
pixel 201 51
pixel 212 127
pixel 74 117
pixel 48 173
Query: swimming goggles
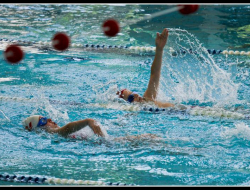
pixel 131 97
pixel 42 121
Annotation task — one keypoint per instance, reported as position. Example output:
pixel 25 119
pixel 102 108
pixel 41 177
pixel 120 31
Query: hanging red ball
pixel 13 54
pixel 60 41
pixel 188 9
pixel 111 27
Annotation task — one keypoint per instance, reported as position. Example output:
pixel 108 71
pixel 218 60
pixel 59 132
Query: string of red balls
pixel 13 53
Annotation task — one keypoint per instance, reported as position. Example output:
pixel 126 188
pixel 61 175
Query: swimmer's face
pixel 126 93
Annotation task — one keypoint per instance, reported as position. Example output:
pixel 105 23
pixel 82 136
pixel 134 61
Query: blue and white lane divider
pixel 183 51
pixel 212 51
pixel 134 49
pixel 179 109
pixel 56 181
pixel 200 111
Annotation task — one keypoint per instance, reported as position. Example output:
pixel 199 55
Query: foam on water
pixel 87 133
pixel 8 79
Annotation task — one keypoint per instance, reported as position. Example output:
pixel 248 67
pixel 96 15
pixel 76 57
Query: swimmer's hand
pixel 161 39
pixel 95 127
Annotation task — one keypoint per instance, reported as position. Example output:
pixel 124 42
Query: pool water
pixel 194 150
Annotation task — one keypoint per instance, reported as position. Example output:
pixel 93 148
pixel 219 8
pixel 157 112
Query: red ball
pixel 188 9
pixel 13 54
pixel 111 27
pixel 60 41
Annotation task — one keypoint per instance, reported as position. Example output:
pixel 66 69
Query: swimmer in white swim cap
pixel 151 92
pixel 37 121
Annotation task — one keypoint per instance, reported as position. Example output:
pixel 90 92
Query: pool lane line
pixel 134 49
pixel 193 110
pixel 56 181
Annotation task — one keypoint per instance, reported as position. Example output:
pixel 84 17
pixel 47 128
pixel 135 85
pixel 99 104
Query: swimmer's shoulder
pixel 163 104
pixel 151 102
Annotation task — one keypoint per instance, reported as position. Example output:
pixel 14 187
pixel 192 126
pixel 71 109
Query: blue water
pixel 195 150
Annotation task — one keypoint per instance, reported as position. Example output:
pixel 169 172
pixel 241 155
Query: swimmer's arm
pixel 78 125
pixel 154 80
pixel 160 41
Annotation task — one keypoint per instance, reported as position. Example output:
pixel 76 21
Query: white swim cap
pixel 31 122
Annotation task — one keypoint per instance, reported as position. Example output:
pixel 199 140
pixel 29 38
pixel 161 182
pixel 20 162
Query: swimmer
pixel 39 122
pixel 153 85
pixel 35 122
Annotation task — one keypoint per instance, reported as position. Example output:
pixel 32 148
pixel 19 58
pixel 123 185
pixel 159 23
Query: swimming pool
pixel 198 149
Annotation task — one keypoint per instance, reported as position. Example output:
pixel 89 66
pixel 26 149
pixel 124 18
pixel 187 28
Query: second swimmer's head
pixel 129 96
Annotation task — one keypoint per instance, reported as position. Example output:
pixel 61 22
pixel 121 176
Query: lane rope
pixel 56 181
pixel 135 49
pixel 194 110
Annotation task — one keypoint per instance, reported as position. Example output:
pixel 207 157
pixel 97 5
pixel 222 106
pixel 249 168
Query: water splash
pixel 42 106
pixel 194 75
pixel 241 131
